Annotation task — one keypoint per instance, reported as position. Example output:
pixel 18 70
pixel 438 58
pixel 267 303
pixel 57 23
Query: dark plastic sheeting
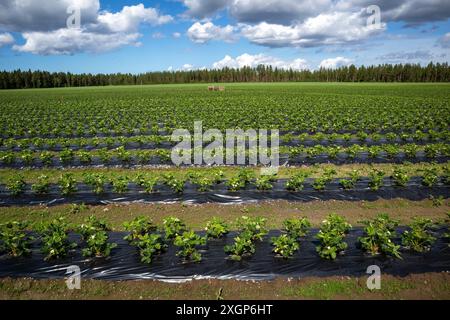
pixel 219 194
pixel 124 263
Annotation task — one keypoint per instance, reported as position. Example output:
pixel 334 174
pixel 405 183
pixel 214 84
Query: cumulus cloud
pixel 444 41
pixel 187 67
pixel 43 25
pixel 6 39
pixel 333 63
pixel 201 9
pixel 176 35
pixel 205 32
pixel 325 29
pixel 129 19
pixel 248 60
pixel 48 15
pixel 71 41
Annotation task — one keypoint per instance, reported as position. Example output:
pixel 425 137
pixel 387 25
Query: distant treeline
pixel 433 72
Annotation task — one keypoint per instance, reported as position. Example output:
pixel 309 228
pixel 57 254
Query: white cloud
pixel 176 35
pixel 248 60
pixel 170 68
pixel 129 19
pixel 333 63
pixel 158 35
pixel 103 31
pixel 202 33
pixel 325 29
pixel 444 41
pixel 70 41
pixel 187 67
pixel 6 39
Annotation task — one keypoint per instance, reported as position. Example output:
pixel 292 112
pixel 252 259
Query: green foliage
pixel 173 227
pixel 256 226
pixel 92 225
pixel 138 227
pixel 400 177
pixel 296 227
pixel 16 185
pixel 378 236
pixel 285 245
pixel 295 183
pixel 97 245
pixel 95 180
pixel 14 239
pixel 67 184
pixel 243 245
pixel 331 236
pixel 376 179
pixel 149 246
pixel 187 242
pixel 55 239
pixel 42 186
pixel 216 228
pixel 419 237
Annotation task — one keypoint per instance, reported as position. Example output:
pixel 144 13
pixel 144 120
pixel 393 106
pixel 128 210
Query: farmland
pixel 83 162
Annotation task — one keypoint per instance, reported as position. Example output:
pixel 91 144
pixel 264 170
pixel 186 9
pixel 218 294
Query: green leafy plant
pixel 285 245
pixel 173 227
pixel 376 179
pixel 14 239
pixel 430 177
pixel 400 177
pixel 120 184
pixel 91 225
pixel 297 227
pixel 243 245
pixel 295 183
pixel 95 180
pixel 67 184
pixel 419 237
pixel 264 183
pixel 149 246
pixel 55 239
pixel 42 186
pixel 378 236
pixel 188 242
pixel 16 185
pixel 256 226
pixel 216 228
pixel 97 245
pixel 331 236
pixel 138 227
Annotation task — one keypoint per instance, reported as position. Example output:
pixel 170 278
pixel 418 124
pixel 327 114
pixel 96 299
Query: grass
pixel 196 216
pixel 420 286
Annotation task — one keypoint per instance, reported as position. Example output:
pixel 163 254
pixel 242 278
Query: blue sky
pixel 139 36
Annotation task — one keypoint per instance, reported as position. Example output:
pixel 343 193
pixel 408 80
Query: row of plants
pixel 285 108
pixel 123 156
pixel 100 183
pixel 156 140
pixel 379 237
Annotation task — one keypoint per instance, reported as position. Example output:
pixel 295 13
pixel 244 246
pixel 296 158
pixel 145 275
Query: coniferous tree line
pixel 433 72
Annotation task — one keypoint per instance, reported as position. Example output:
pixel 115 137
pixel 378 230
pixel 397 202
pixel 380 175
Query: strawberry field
pixel 67 156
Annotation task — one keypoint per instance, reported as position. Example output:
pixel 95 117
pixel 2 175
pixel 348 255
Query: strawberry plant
pixel 96 180
pixel 235 184
pixel 138 227
pixel 55 239
pixel 243 246
pixel 400 177
pixel 173 227
pixel 46 158
pixel 84 157
pixel 419 237
pixel 97 245
pixel 27 157
pixel 331 236
pixel 284 245
pixel 120 184
pixel 150 245
pixel 378 236
pixel 66 156
pixel 376 179
pixel 16 185
pixel 296 228
pixel 264 183
pixel 92 225
pixel 67 184
pixel 177 185
pixel 187 242
pixel 42 186
pixel 256 226
pixel 14 239
pixel 216 228
pixel 430 177
pixel 295 183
